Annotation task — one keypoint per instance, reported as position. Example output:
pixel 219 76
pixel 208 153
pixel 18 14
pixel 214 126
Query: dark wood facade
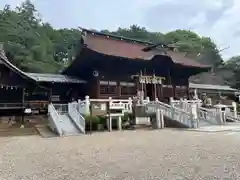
pixel 20 90
pixel 108 64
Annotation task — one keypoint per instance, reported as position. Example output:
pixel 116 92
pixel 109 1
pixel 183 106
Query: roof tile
pixel 132 49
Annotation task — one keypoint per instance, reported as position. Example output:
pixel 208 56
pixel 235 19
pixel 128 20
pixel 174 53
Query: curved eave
pixel 5 61
pixel 35 76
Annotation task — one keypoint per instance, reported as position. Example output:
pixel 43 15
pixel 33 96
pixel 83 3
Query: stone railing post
pixel 141 97
pixel 181 103
pixel 130 101
pixel 185 105
pixel 147 100
pixel 159 119
pixel 87 105
pixel 194 116
pixel 172 111
pixel 195 94
pixel 171 101
pixel 110 102
pixel 220 116
pixel 234 104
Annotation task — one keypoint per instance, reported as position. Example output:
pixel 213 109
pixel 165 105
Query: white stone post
pixel 181 103
pixel 185 105
pixel 194 114
pixel 147 100
pixel 171 101
pixel 159 119
pixel 87 105
pixel 130 104
pixel 220 117
pixel 109 123
pixel 110 102
pixel 195 94
pixel 141 97
pixel 234 104
pixel 119 123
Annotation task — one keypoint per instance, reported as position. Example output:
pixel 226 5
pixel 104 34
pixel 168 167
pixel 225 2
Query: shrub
pixel 126 117
pixel 102 120
pixel 95 121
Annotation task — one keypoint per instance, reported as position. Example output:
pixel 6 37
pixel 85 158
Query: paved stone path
pixel 164 154
pixel 219 128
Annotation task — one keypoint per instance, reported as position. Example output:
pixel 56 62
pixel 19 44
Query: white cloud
pixel 217 19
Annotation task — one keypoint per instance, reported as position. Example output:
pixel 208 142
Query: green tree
pixel 36 46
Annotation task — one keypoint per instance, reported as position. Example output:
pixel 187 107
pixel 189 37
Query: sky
pixel 217 19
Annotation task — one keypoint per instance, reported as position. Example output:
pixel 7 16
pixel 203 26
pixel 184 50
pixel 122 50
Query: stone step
pixel 45 131
pixel 17 132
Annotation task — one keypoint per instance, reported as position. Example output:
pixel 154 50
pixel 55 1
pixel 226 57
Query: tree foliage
pixel 34 45
pixel 233 65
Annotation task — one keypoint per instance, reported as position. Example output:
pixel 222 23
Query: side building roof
pixel 211 87
pixel 133 49
pixel 54 78
pixel 39 77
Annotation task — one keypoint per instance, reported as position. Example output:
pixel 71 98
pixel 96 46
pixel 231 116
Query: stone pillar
pixel 219 116
pixel 171 101
pixel 109 102
pixel 147 99
pixel 110 123
pixel 130 102
pixel 87 105
pixel 159 119
pixel 181 103
pixel 234 104
pixel 119 123
pixel 194 114
pixel 195 94
pixel 141 97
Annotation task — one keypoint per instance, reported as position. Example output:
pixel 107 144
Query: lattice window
pixel 127 90
pixel 106 89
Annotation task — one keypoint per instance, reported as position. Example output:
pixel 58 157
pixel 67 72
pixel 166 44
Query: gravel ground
pixel 164 154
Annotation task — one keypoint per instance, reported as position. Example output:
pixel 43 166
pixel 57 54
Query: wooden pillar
pixel 161 91
pixel 154 91
pixel 137 86
pixel 50 96
pixel 157 91
pixel 174 90
pixel 97 87
pixel 119 89
pixel 187 92
pixel 23 108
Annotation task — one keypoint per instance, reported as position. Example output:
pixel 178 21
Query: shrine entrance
pixel 150 91
pixel 150 85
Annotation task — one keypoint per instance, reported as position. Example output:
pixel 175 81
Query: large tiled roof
pixel 130 48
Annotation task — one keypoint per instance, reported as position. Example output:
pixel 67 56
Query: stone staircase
pixel 65 120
